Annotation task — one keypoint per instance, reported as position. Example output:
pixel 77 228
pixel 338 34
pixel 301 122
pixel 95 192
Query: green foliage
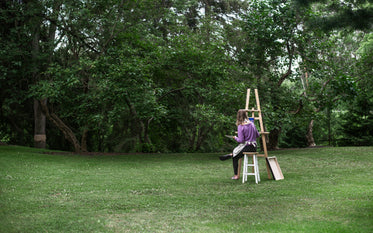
pixel 357 129
pixel 16 69
pixel 4 137
pixel 356 122
pixel 366 51
pixel 125 77
pixel 351 14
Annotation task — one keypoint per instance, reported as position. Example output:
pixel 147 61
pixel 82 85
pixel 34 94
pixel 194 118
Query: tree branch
pixel 290 50
pixel 300 107
pixel 169 92
pixel 67 132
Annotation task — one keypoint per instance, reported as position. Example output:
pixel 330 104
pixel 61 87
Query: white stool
pixel 254 165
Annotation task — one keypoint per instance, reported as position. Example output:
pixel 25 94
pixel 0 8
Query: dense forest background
pixel 170 75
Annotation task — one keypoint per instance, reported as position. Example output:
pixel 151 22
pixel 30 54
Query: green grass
pixel 324 190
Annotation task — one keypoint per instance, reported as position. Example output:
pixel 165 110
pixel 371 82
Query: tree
pixel 119 76
pixel 355 15
pixel 274 33
pixel 344 21
pixel 85 32
pixel 357 121
pixel 26 43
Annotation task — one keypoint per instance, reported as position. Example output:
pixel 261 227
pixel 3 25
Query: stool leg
pixel 247 167
pixel 244 169
pixel 254 165
pixel 257 168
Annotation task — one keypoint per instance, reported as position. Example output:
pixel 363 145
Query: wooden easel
pixel 257 115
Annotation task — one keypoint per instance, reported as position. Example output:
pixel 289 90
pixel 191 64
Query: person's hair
pixel 241 117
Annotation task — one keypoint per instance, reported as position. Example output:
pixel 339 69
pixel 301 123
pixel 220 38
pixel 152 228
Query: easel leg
pixel 268 171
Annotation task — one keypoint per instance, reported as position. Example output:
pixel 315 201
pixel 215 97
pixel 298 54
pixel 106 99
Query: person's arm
pixel 240 136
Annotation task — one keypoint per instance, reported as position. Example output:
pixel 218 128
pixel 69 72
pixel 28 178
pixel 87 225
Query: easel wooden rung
pixel 262 132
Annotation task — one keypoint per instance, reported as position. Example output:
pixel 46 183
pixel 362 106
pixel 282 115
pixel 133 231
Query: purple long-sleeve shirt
pixel 247 133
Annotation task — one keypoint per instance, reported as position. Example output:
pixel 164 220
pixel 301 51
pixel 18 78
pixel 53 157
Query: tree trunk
pixel 202 135
pixel 201 138
pixel 40 137
pixel 67 132
pixel 83 143
pixel 192 139
pixel 39 117
pixel 274 135
pixel 309 135
pixel 141 128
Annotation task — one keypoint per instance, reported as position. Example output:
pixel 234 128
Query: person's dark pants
pixel 247 148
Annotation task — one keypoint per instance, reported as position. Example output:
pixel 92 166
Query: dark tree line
pixel 121 76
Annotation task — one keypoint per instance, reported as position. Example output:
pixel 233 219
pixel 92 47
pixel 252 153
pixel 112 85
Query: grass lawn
pixel 324 190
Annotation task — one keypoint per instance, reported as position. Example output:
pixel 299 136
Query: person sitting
pixel 246 137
